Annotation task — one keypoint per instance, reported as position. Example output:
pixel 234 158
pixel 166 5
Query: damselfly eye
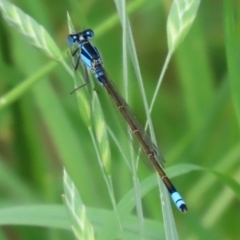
pixel 88 33
pixel 72 39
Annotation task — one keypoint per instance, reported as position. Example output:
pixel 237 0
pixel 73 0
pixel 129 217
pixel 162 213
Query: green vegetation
pixel 184 69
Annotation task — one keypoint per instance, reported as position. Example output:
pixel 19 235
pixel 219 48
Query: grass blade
pixel 81 225
pixel 33 32
pixel 181 17
pixel 232 46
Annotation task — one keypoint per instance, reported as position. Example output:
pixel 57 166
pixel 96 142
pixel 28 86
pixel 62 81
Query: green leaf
pixel 83 95
pixel 55 216
pixel 100 128
pixel 33 32
pixel 81 225
pixel 128 203
pixel 232 53
pixel 181 17
pixel 37 215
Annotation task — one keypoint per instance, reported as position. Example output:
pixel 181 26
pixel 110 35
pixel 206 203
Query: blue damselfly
pixel 90 56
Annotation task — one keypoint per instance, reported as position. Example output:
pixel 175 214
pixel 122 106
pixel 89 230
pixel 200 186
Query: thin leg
pixel 75 66
pixel 74 52
pixel 87 78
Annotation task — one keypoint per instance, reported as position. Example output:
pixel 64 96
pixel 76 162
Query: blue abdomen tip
pixel 181 205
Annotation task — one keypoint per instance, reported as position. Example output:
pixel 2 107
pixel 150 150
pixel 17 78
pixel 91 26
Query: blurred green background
pixel 194 117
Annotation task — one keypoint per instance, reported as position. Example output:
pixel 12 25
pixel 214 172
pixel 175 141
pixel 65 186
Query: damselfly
pixel 91 58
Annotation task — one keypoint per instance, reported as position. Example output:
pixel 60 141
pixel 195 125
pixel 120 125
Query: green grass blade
pixel 81 225
pixel 83 96
pixel 100 129
pixel 181 17
pixel 232 46
pixel 25 85
pixel 127 204
pixel 33 32
pixel 54 216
